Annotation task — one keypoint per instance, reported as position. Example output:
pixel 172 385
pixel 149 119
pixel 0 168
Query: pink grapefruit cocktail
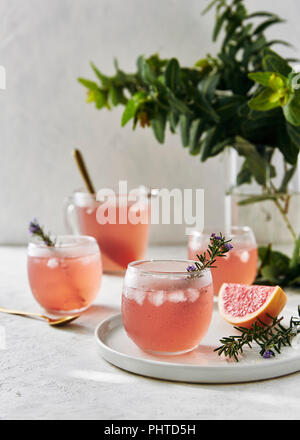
pixel 65 278
pixel 120 242
pixel 238 266
pixel 164 310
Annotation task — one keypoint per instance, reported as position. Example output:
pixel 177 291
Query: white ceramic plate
pixel 202 365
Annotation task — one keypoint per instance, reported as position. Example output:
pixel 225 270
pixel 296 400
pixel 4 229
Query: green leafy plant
pixel 244 98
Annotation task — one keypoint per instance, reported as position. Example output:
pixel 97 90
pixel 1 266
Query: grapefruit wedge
pixel 242 305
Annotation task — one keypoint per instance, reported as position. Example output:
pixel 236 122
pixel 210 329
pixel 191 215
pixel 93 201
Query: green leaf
pixel 184 124
pixel 270 274
pixel 269 79
pixel 280 261
pixel 282 42
pixel 289 174
pixel 195 135
pixel 209 6
pixel 204 65
pixel 261 130
pixel 147 70
pixel 91 96
pixel 116 96
pixel 237 81
pixel 264 101
pixel 208 85
pixel 178 104
pixel 292 60
pixel 286 144
pixel 140 66
pixel 228 106
pixel 275 268
pixel 172 74
pixel 258 165
pixel 256 199
pixel 274 265
pixel 295 281
pixel 264 253
pixel 294 134
pixel 208 143
pixel 99 97
pixel 228 61
pixel 173 119
pixel 156 63
pixel 133 105
pixel 295 260
pixel 101 100
pixel 263 26
pixel 250 49
pixel 244 176
pixel 262 78
pixel 241 11
pixel 158 124
pixel 88 84
pixel 218 147
pixel 272 62
pixel 204 105
pixel 292 110
pixel 260 14
pixel 219 23
pixel 105 80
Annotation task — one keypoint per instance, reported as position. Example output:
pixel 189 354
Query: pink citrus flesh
pixel 242 305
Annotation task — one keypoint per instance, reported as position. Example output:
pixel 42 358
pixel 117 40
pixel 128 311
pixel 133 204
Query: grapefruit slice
pixel 242 305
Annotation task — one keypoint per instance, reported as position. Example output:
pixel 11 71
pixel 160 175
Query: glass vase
pixel 275 219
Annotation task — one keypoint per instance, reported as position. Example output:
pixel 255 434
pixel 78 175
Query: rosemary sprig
pixel 218 247
pixel 270 338
pixel 36 230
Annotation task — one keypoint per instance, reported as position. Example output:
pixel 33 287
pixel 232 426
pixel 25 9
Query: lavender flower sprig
pixel 218 247
pixel 36 230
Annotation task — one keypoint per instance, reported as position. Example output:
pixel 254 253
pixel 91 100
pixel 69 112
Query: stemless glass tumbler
pixel 65 278
pixel 120 240
pixel 239 265
pixel 164 309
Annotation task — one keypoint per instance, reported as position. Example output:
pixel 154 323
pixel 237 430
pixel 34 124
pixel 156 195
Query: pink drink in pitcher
pixel 164 309
pixel 238 266
pixel 65 278
pixel 119 243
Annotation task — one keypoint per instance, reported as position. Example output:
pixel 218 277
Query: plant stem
pixel 285 218
pixel 284 211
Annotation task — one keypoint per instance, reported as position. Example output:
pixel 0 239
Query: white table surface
pixel 48 373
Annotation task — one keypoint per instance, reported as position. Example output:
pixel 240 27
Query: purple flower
pixel 34 227
pixel 228 246
pixel 213 235
pixel 268 354
pixel 191 268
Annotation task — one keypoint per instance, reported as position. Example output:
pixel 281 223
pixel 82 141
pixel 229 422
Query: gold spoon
pixel 54 322
pixel 83 171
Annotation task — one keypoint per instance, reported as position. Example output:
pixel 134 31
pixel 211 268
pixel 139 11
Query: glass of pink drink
pixel 66 278
pixel 239 265
pixel 164 309
pixel 119 243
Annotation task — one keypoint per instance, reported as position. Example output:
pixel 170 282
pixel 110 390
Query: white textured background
pixel 45 45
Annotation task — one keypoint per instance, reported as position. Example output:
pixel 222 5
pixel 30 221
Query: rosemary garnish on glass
pixel 270 338
pixel 218 247
pixel 36 230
